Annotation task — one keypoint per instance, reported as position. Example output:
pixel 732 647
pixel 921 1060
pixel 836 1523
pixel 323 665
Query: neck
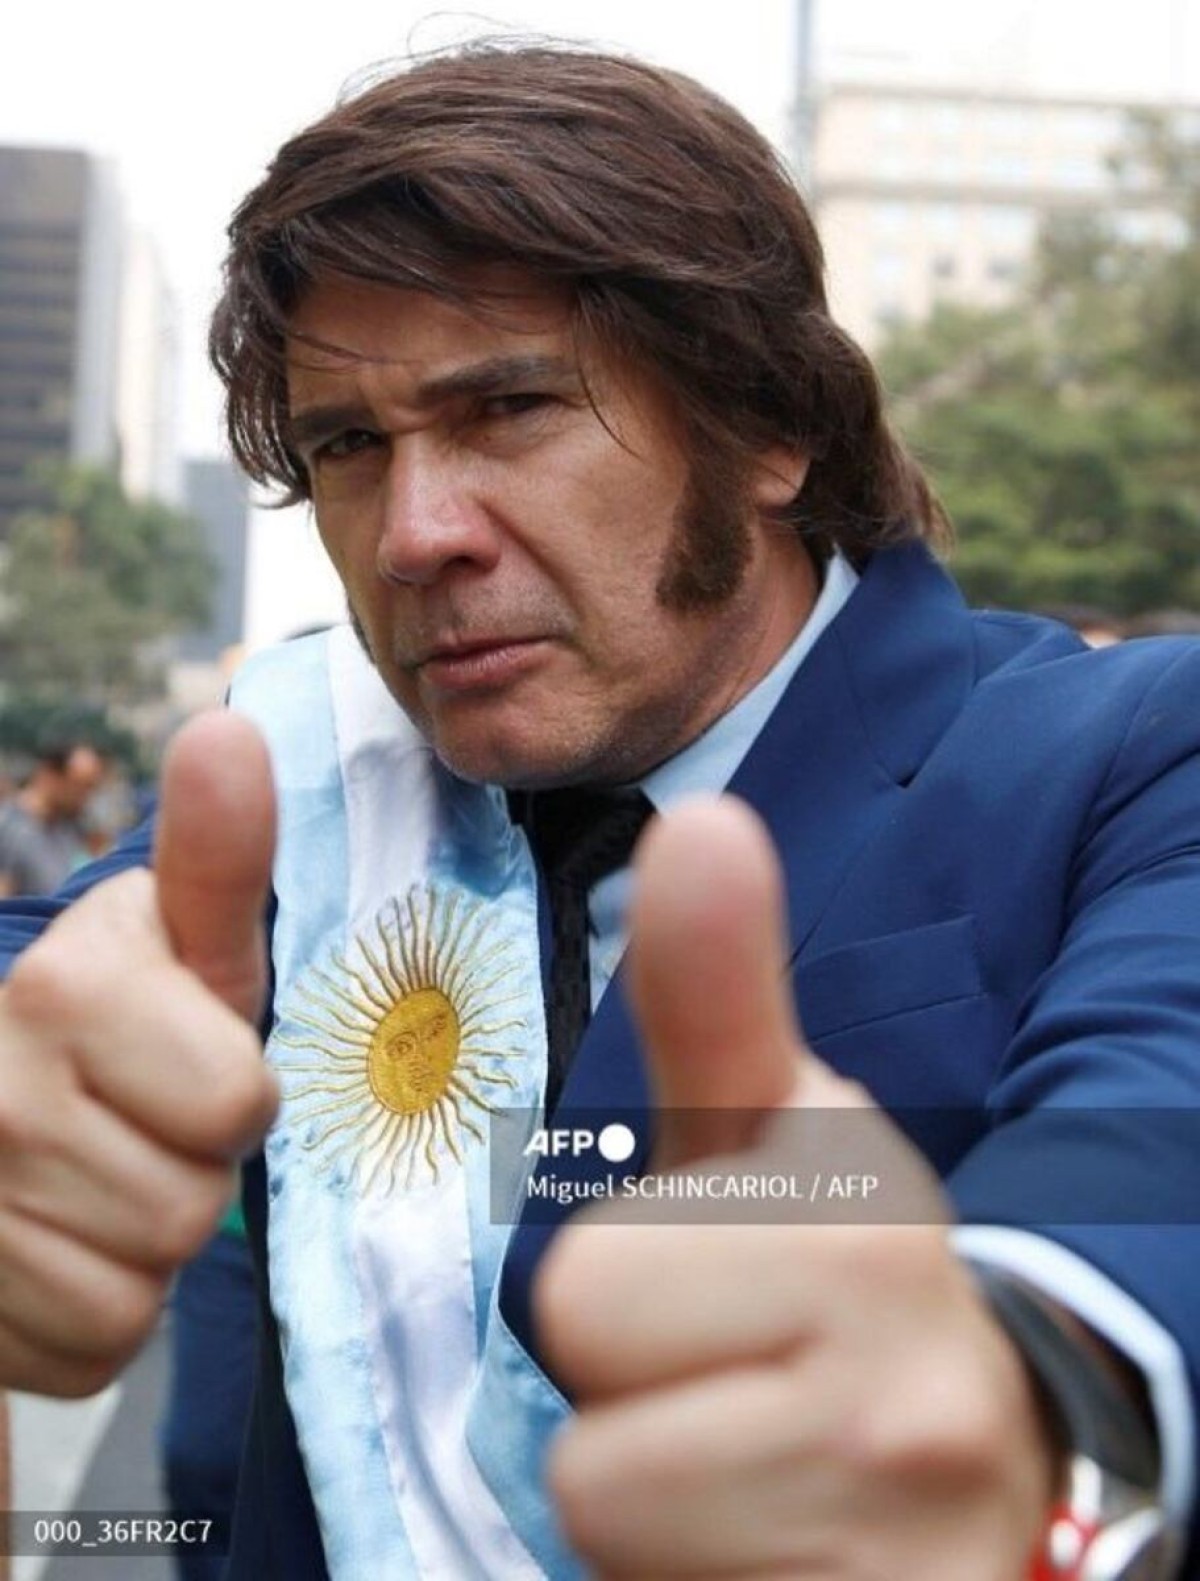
pixel 788 586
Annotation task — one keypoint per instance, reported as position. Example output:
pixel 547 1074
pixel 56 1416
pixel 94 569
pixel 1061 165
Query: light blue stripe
pixel 287 692
pixel 515 1410
pixel 515 1413
pixel 481 848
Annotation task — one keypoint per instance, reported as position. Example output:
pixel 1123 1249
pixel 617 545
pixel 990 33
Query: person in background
pixel 1164 623
pixel 1097 627
pixel 41 835
pixel 111 812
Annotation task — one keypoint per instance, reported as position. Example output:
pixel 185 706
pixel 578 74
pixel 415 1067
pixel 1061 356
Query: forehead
pixel 344 327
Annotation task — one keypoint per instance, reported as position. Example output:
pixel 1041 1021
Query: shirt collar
pixel 710 762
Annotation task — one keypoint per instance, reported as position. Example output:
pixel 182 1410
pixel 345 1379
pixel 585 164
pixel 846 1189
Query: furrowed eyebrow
pixel 309 427
pixel 495 375
pixel 312 424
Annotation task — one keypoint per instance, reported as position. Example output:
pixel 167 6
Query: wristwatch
pixel 1108 1523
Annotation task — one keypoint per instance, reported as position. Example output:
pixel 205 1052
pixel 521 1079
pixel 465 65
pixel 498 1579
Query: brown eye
pixel 344 445
pixel 516 404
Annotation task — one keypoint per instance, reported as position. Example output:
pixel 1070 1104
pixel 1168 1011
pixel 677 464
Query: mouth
pixel 480 663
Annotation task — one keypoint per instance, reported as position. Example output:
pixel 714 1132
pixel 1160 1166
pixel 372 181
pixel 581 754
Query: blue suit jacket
pixel 992 845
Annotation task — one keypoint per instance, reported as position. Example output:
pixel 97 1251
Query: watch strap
pixel 1098 1418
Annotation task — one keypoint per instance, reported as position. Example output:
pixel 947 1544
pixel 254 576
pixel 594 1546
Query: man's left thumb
pixel 707 971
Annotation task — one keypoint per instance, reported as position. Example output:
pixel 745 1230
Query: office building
pixel 925 195
pixel 148 377
pixel 88 359
pixel 217 495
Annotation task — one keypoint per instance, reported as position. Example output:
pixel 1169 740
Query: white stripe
pixel 312 1278
pixel 413 1251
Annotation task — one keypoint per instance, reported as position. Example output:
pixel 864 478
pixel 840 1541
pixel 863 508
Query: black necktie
pixel 579 837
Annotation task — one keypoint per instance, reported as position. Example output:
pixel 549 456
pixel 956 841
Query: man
pixel 40 838
pixel 542 335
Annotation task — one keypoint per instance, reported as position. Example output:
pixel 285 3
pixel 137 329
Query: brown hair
pixel 679 234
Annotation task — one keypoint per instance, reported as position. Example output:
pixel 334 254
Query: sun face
pixel 413 1052
pixel 402 1041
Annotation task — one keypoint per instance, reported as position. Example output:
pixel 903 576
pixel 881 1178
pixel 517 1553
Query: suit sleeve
pixel 1094 1136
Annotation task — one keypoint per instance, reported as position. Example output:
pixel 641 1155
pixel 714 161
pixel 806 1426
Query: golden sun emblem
pixel 401 1041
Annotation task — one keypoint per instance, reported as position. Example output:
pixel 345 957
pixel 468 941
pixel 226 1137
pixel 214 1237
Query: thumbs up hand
pixel 773 1399
pixel 131 1077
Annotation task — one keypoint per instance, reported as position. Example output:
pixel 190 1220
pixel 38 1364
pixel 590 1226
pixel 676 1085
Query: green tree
pixel 90 588
pixel 1062 431
pixel 27 724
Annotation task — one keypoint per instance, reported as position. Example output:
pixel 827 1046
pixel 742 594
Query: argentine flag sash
pixel 408 1004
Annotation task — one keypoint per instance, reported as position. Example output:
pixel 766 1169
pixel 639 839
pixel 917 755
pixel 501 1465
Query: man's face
pixel 512 557
pixel 78 782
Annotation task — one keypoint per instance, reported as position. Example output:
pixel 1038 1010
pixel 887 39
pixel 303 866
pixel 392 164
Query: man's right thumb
pixel 213 850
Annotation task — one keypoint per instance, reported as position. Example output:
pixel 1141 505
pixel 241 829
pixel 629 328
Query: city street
pixel 97 1454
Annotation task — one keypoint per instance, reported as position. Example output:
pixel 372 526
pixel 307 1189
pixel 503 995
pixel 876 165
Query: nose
pixel 433 515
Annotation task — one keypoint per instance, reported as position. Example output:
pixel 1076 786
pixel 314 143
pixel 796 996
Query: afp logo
pixel 615 1143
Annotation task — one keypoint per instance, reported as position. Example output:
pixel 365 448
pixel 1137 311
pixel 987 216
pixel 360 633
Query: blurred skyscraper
pixel 88 362
pixel 217 495
pixel 148 376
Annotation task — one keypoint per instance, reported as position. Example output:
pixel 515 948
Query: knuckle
pixel 22 1128
pixel 561 1295
pixel 47 983
pixel 183 1222
pixel 69 970
pixel 75 1379
pixel 572 1488
pixel 70 967
pixel 241 1096
pixel 29 1123
pixel 938 1432
pixel 120 1316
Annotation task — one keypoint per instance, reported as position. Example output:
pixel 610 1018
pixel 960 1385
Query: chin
pixel 481 764
pixel 514 765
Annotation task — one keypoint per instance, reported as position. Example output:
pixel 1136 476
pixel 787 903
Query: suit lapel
pixel 864 710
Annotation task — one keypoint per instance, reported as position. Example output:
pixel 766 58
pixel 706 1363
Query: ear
pixel 778 477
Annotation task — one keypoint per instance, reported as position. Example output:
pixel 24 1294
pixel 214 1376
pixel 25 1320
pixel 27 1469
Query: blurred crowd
pixel 60 807
pixel 1100 629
